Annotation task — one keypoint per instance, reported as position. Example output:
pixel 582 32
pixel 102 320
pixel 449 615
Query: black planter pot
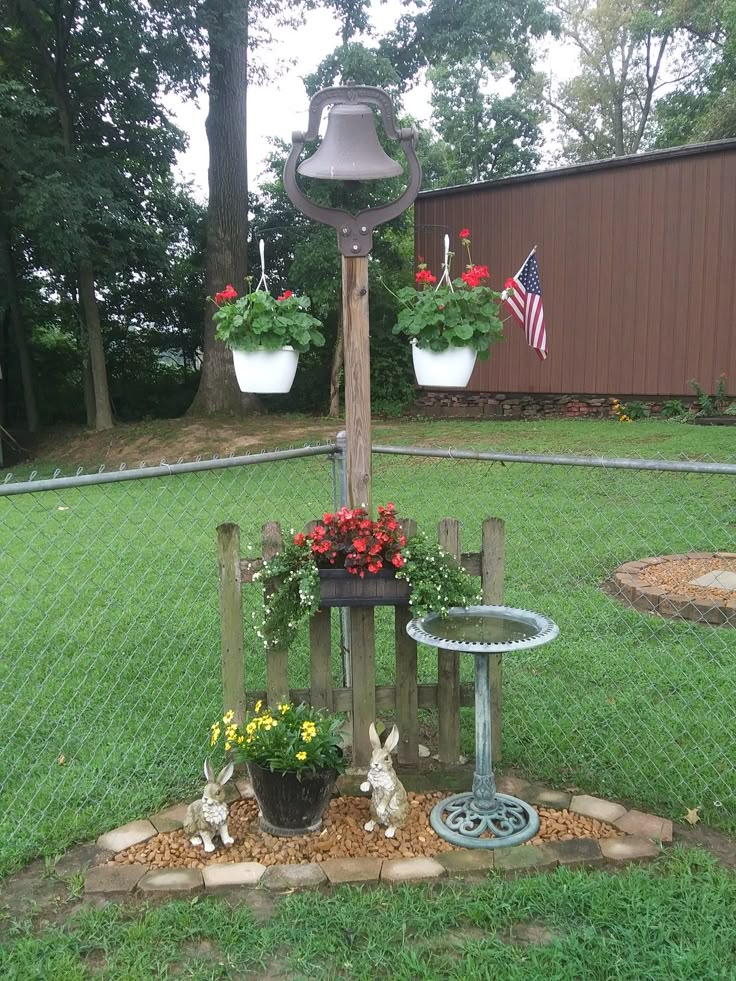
pixel 291 805
pixel 338 587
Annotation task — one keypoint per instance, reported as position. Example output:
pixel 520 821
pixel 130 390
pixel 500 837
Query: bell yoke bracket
pixel 354 232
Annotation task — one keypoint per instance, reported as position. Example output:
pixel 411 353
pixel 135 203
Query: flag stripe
pixel 525 304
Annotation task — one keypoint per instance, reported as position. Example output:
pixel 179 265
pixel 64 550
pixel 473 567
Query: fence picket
pixel 448 666
pixel 407 695
pixel 277 658
pixel 492 573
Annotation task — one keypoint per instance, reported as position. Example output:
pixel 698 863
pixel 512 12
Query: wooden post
pixel 363 647
pixel 407 692
pixel 492 570
pixel 357 379
pixel 231 621
pixel 277 658
pixel 448 666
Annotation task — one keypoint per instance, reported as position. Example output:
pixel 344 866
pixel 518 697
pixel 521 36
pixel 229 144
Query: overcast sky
pixel 275 110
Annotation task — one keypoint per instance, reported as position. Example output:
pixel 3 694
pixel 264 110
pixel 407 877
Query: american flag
pixel 525 303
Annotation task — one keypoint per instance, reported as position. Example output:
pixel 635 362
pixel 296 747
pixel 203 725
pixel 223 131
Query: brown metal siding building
pixel 638 265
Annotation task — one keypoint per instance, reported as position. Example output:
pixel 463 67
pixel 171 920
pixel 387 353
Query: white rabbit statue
pixel 389 805
pixel 207 817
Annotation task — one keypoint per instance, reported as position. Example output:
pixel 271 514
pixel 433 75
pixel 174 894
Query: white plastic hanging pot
pixel 266 372
pixel 444 369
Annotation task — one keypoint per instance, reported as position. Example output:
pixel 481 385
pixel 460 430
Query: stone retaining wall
pixel 493 405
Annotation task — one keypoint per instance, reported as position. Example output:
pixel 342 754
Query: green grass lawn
pixel 110 669
pixel 672 921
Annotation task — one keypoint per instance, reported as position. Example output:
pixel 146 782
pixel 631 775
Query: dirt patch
pixel 342 837
pixel 172 439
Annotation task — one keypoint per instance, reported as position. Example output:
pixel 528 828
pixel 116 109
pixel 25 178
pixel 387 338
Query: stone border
pixel 628 585
pixel 646 834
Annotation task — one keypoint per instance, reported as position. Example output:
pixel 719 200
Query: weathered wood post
pixel 357 379
pixel 277 658
pixel 407 691
pixel 492 574
pixel 448 666
pixel 231 620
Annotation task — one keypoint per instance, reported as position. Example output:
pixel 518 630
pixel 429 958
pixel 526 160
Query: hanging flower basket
pixel 451 322
pixel 443 369
pixel 265 334
pixel 262 371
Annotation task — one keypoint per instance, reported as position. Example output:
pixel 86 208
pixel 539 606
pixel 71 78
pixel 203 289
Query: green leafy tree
pixel 114 141
pixel 628 52
pixel 484 135
pixel 704 108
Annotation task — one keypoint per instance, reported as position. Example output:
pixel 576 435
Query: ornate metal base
pixel 463 818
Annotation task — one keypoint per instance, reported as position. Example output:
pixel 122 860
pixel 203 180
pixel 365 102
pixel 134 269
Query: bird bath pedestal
pixel 484 818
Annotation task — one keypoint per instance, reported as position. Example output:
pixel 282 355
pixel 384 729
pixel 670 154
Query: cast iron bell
pixel 350 150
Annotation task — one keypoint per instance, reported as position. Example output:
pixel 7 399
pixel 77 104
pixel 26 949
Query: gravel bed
pixel 675 576
pixel 341 837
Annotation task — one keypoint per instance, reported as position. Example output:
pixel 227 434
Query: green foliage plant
pixel 350 540
pixel 674 409
pixel 636 410
pixel 289 738
pixel 718 404
pixel 453 313
pixel 256 320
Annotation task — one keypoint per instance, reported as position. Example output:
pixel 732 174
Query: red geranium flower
pixel 465 234
pixel 425 276
pixel 509 284
pixel 474 275
pixel 227 294
pixel 285 295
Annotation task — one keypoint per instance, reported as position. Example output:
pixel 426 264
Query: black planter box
pixel 338 587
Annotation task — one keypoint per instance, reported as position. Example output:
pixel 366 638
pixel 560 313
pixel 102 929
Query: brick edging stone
pixel 628 586
pixel 645 836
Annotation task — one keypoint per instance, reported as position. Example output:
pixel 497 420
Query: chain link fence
pixel 110 669
pixel 625 703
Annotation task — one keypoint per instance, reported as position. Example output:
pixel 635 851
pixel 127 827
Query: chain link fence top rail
pixel 624 703
pixel 110 670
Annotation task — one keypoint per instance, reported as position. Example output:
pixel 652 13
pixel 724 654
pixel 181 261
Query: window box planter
pixel 338 587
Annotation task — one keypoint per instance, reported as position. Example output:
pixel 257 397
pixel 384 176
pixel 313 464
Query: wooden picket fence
pixel 363 698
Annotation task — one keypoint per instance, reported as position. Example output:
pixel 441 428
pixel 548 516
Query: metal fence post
pixel 342 489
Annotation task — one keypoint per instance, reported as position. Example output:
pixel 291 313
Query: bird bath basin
pixel 483 818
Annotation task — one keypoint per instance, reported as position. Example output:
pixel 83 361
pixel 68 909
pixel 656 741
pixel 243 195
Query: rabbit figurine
pixel 389 805
pixel 207 817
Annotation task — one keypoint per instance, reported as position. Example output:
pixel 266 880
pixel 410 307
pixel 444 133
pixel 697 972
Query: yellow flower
pixel 283 709
pixel 241 740
pixel 258 705
pixel 251 728
pixel 227 747
pixel 301 756
pixel 215 735
pixel 228 717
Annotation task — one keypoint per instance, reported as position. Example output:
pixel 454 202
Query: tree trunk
pixel 7 262
pixel 88 385
pixel 337 363
pixel 90 310
pixel 227 209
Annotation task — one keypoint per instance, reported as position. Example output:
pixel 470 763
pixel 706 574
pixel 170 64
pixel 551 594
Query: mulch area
pixel 342 836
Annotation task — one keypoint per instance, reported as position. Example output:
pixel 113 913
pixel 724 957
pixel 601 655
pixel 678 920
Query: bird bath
pixel 468 819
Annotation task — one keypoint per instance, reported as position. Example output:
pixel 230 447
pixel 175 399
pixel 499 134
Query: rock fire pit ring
pixel 696 586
